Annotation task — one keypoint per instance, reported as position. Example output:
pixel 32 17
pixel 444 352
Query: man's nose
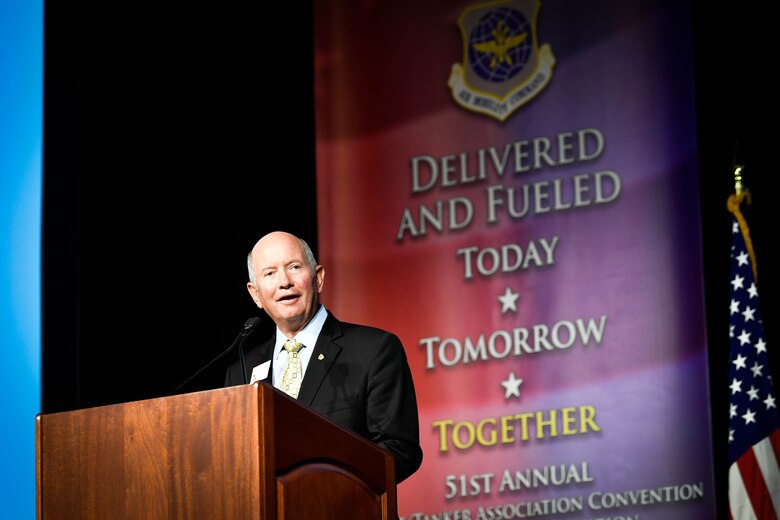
pixel 284 280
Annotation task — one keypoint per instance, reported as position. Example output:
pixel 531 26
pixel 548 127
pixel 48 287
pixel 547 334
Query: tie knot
pixel 292 346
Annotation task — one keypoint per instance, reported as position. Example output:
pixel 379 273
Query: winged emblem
pixel 501 45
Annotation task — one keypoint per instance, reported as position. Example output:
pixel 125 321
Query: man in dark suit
pixel 355 374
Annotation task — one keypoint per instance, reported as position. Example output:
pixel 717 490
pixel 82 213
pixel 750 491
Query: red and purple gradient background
pixel 382 98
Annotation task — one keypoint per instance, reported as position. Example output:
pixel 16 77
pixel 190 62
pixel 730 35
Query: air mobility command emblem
pixel 503 66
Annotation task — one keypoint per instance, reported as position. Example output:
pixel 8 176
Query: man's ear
pixel 254 293
pixel 319 272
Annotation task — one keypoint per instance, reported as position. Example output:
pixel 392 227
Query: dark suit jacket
pixel 362 382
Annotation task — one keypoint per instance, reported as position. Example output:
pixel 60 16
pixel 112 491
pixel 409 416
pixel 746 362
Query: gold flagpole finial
pixel 738 186
pixel 738 170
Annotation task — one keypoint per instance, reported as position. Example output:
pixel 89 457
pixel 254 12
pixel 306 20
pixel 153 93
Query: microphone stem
pixel 241 359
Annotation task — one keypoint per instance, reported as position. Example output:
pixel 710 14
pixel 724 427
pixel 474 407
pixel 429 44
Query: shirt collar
pixel 308 335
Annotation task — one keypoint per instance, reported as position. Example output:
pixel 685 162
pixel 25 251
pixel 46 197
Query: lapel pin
pixel 321 357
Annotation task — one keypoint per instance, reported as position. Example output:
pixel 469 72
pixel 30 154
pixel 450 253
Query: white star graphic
pixel 742 258
pixel 508 301
pixel 749 417
pixel 752 290
pixel 739 362
pixel 770 402
pixel 748 313
pixel 511 386
pixel 760 345
pixel 756 369
pixel 736 386
pixel 737 282
pixel 734 308
pixel 753 392
pixel 732 410
pixel 731 435
pixel 744 337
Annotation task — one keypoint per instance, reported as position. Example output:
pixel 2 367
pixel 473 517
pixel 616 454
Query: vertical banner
pixel 511 187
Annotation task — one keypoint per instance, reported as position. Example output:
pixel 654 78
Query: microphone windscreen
pixel 251 323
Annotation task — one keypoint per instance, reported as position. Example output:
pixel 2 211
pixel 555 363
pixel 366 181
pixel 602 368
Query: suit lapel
pixel 325 353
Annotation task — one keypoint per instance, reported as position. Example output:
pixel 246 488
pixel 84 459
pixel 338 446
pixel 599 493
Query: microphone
pixel 249 326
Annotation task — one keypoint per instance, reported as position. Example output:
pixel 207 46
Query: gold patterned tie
pixel 291 380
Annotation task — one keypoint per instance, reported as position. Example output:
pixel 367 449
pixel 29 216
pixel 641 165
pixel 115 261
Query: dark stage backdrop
pixel 175 137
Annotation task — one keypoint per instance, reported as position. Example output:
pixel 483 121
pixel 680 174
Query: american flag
pixel 754 423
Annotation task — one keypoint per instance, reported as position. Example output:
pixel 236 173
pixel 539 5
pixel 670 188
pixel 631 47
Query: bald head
pixel 271 239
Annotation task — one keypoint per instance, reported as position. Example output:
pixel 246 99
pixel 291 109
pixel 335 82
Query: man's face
pixel 287 288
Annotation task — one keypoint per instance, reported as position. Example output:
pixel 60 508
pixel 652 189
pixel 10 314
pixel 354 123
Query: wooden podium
pixel 245 452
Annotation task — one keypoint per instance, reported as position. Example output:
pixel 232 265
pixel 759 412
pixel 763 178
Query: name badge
pixel 260 372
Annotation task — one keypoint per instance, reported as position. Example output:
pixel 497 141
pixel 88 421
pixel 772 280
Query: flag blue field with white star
pixel 754 438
